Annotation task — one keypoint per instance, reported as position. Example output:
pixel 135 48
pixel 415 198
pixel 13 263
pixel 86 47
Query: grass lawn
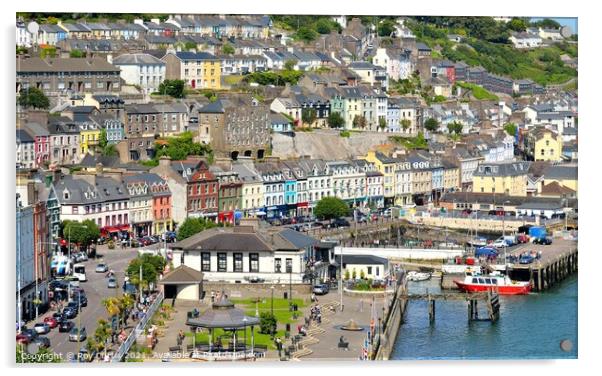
pixel 233 79
pixel 478 92
pixel 281 311
pixel 260 339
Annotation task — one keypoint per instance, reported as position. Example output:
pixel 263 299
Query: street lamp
pixel 272 302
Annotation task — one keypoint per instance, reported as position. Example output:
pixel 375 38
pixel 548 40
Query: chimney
pixel 57 174
pixel 224 163
pixel 165 161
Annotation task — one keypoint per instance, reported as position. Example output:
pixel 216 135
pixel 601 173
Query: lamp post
pixel 272 301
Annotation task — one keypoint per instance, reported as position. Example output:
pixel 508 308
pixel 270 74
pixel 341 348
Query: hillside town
pixel 211 142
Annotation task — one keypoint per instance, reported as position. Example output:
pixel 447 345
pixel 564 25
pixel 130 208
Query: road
pixel 96 290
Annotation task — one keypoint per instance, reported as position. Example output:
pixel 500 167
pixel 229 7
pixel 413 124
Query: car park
pixel 41 328
pixel 66 326
pixel 77 334
pixel 101 268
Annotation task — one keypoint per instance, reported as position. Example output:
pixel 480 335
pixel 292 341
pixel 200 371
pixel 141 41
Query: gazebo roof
pixel 223 314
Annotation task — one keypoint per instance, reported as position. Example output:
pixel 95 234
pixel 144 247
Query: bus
pixel 60 266
pixel 79 271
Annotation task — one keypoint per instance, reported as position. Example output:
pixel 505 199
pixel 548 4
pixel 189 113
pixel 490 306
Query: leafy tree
pixel 33 98
pixel 386 27
pixel 455 127
pixel 335 120
pixel 189 45
pixel 192 226
pixel 49 51
pixel 405 124
pixel 431 124
pixel 102 142
pixel 21 50
pixel 354 274
pixel 289 65
pixel 323 26
pixel 77 53
pixel 517 24
pixel 152 266
pixel 82 233
pixel 110 151
pixel 173 88
pixel 546 23
pixel 228 49
pixel 382 123
pixel 306 34
pixel 308 115
pixel 510 128
pixel 359 121
pixel 180 147
pixel 267 323
pixel 331 208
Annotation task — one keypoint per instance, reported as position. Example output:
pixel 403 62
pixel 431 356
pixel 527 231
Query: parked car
pixel 52 322
pixel 112 283
pixel 102 240
pixel 341 222
pixel 42 342
pixel 362 218
pixel 171 236
pixel 58 285
pixel 23 339
pixel 275 222
pixel 72 281
pixel 41 328
pixel 543 241
pixel 155 239
pixel 77 334
pixel 59 317
pixel 66 326
pixel 70 313
pixel 500 243
pixel 30 334
pixel 522 238
pixel 526 259
pixel 321 289
pixel 101 268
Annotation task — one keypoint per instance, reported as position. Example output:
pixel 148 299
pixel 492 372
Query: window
pixel 254 262
pixel 205 261
pixel 238 262
pixel 278 265
pixel 222 262
pixel 369 270
pixel 377 271
pixel 289 265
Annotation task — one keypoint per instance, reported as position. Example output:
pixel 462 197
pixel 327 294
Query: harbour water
pixel 530 327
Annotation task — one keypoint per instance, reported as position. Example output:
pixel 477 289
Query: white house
pixel 24 37
pixel 348 182
pixel 371 267
pixel 241 254
pixel 396 62
pixel 288 106
pixel 525 40
pixel 143 70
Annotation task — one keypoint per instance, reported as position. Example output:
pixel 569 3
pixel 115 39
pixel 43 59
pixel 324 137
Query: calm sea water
pixel 530 327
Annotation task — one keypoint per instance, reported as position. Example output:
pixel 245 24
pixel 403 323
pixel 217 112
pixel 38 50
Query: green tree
pixel 382 123
pixel 359 121
pixel 173 88
pixel 331 208
pixel 110 151
pixel 267 323
pixel 228 49
pixel 306 34
pixel 405 124
pixel 77 53
pixel 431 124
pixel 517 24
pixel 33 98
pixel 546 23
pixel 386 27
pixel 189 45
pixel 323 26
pixel 308 115
pixel 49 51
pixel 510 128
pixel 289 65
pixel 82 233
pixel 102 142
pixel 354 274
pixel 192 226
pixel 347 274
pixel 335 120
pixel 180 147
pixel 152 266
pixel 455 127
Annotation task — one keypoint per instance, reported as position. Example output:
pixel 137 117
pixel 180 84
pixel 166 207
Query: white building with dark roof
pixel 143 70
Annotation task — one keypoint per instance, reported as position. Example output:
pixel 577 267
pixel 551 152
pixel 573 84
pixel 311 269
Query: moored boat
pixel 418 276
pixel 501 284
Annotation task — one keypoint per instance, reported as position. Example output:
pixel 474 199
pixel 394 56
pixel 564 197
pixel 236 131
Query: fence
pixel 138 330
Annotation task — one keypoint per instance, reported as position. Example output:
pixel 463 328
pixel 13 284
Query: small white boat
pixel 418 276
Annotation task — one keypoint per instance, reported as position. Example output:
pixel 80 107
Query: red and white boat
pixel 503 285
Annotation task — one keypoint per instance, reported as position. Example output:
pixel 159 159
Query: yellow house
pixel 212 74
pixel 545 145
pixel 565 175
pixel 89 137
pixel 503 178
pixel 451 176
pixel 385 166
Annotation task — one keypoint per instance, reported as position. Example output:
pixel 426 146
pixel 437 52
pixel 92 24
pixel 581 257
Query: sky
pixel 564 21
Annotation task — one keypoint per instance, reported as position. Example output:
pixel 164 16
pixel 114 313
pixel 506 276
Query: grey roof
pixel 361 260
pixel 137 59
pixel 246 173
pixel 213 108
pixel 23 136
pixel 279 119
pixel 541 205
pixel 223 314
pixel 561 172
pixel 50 28
pixel 502 169
pixel 35 64
pixel 184 55
pixel 422 47
pixel 103 189
pixel 182 275
pixel 36 129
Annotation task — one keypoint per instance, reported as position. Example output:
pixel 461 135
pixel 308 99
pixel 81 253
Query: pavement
pixel 548 252
pixel 96 290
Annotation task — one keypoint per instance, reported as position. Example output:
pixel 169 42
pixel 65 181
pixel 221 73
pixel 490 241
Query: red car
pixel 522 238
pixel 51 321
pixel 22 338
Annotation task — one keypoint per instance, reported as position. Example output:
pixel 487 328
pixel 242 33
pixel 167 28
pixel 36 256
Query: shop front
pixel 141 229
pixel 303 209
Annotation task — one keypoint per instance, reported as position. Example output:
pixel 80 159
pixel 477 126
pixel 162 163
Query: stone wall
pixel 466 223
pixel 392 324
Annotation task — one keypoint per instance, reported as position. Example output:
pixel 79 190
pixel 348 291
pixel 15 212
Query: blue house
pixel 290 189
pixel 280 123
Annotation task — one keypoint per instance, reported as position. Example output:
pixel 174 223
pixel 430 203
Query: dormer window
pixel 66 194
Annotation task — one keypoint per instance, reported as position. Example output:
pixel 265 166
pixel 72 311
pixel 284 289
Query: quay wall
pixel 392 322
pixel 401 253
pixel 466 223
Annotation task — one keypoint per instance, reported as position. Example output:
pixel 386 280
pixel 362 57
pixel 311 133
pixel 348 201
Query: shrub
pixel 345 134
pixel 267 323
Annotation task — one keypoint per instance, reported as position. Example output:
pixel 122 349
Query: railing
pixel 138 330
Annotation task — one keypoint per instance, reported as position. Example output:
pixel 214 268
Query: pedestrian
pixel 212 297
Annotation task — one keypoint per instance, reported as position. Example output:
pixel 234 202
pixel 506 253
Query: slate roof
pixel 502 169
pixel 186 55
pixel 561 172
pixel 35 64
pixel 137 59
pixel 213 108
pixel 182 275
pixel 104 189
pixel 23 136
pixel 361 260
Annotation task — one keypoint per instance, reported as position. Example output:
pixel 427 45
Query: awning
pixel 125 227
pixel 302 204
